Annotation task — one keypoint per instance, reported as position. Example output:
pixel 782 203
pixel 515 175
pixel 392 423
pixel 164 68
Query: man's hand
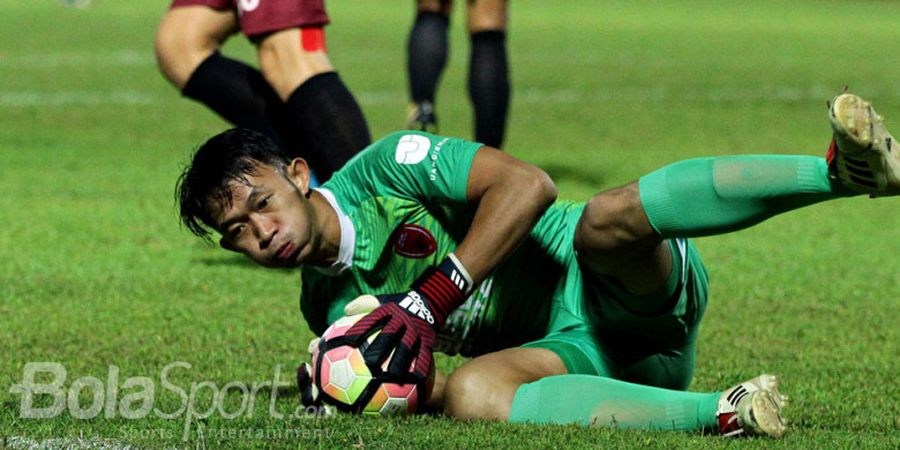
pixel 409 322
pixel 309 393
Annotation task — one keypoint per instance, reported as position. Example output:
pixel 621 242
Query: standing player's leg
pixel 488 69
pixel 187 45
pixel 290 41
pixel 426 56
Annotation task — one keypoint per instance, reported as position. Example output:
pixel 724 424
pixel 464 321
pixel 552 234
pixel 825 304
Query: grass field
pixel 96 271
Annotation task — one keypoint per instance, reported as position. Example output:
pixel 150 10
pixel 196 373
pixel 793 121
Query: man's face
pixel 270 219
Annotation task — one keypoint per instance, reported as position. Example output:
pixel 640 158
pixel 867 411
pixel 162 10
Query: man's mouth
pixel 285 251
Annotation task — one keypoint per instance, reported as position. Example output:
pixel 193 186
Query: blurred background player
pixel 297 98
pixel 488 81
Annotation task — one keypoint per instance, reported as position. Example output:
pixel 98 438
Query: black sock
pixel 426 55
pixel 238 93
pixel 333 122
pixel 489 86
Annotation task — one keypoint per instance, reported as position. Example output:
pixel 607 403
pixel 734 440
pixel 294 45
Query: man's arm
pixel 511 196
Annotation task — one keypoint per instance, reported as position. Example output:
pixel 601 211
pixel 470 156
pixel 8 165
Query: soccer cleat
pixel 420 117
pixel 753 408
pixel 861 155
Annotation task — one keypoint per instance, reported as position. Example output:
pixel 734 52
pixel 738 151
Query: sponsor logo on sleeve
pixel 412 149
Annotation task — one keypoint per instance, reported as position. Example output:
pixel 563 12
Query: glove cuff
pixel 451 264
pixel 445 286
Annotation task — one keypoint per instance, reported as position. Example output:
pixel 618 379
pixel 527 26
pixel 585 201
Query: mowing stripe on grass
pixel 55 60
pixel 67 98
pixel 20 442
pixel 640 94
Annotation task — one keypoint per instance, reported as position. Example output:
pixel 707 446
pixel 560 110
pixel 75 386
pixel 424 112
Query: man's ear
pixel 298 173
pixel 227 245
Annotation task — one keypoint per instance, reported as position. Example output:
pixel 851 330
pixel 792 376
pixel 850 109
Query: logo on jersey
pixel 413 241
pixel 412 149
pixel 248 5
pixel 416 306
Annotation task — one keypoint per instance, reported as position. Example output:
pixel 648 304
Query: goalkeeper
pixel 574 312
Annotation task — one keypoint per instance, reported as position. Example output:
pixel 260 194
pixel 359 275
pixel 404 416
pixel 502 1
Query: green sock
pixel 601 401
pixel 706 196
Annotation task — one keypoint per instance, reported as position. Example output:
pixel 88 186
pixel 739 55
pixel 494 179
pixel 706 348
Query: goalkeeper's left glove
pixel 409 322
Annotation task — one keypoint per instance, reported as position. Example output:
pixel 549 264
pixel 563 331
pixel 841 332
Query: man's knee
pixel 478 394
pixel 487 15
pixel 484 388
pixel 187 36
pixel 287 58
pixel 614 224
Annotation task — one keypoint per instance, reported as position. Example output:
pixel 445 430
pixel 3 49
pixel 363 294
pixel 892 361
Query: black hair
pixel 225 158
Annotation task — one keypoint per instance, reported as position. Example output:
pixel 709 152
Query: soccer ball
pixel 345 381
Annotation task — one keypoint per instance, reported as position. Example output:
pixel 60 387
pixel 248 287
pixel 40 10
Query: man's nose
pixel 265 230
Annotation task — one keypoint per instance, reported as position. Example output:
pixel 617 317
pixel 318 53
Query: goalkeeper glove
pixel 409 322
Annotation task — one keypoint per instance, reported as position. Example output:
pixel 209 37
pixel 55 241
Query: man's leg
pixel 533 385
pixel 426 57
pixel 187 44
pixel 622 235
pixel 488 69
pixel 484 387
pixel 295 63
pixel 621 232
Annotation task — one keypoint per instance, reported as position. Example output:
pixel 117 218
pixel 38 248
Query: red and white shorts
pixel 265 16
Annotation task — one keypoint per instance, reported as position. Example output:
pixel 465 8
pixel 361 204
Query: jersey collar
pixel 348 238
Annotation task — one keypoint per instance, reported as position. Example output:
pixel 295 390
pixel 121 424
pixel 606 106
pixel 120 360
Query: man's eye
pixel 264 202
pixel 236 232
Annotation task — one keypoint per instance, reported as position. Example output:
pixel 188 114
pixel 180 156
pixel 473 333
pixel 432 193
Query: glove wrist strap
pixel 446 287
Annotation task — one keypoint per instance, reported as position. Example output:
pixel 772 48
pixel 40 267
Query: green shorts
pixel 593 331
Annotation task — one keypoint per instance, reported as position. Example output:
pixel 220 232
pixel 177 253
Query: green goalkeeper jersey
pixel 402 206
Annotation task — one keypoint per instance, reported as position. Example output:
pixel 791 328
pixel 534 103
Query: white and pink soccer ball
pixel 345 380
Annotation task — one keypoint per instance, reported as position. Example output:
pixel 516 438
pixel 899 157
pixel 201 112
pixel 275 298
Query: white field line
pixel 528 96
pixel 63 59
pixel 76 98
pixel 23 443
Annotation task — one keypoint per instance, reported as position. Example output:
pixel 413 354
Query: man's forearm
pixel 506 213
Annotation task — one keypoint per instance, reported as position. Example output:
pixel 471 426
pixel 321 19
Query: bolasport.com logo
pixel 44 394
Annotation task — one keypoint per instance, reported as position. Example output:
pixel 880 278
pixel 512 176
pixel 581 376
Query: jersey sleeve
pixel 413 165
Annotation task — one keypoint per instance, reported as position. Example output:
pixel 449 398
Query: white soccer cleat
pixel 862 156
pixel 753 408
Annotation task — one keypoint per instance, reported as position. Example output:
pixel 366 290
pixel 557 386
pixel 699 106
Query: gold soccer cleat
pixel 862 154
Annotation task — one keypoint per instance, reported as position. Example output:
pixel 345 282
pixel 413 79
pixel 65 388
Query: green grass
pixel 96 271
